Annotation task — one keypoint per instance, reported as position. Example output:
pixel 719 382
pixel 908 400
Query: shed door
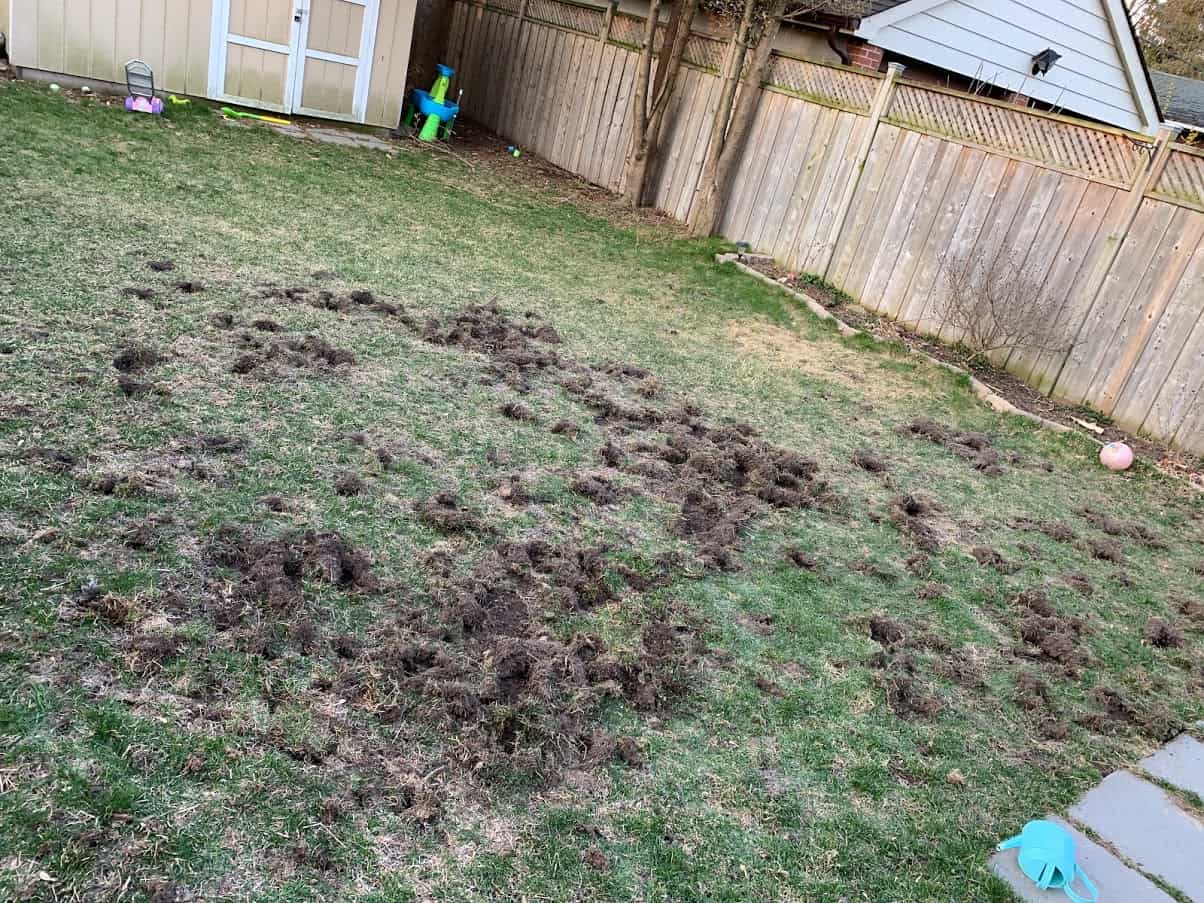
pixel 335 65
pixel 253 57
pixel 307 56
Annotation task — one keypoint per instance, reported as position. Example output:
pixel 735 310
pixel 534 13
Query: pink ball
pixel 1116 456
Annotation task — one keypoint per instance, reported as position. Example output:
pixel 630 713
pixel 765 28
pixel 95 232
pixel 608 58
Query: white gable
pixel 1099 75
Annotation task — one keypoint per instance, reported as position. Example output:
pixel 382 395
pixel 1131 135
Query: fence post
pixel 881 105
pixel 603 36
pixel 1146 178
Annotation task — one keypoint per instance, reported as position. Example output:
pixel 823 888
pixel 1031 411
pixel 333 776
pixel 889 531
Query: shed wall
pixel 95 38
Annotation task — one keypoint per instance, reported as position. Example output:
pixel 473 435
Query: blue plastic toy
pixel 433 106
pixel 1047 857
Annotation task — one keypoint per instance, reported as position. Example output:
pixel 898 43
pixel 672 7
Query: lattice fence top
pixel 705 52
pixel 585 19
pixel 627 30
pixel 1183 177
pixel 824 83
pixel 507 6
pixel 1102 155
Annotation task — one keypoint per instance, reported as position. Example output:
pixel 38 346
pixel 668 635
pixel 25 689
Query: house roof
pixel 1182 99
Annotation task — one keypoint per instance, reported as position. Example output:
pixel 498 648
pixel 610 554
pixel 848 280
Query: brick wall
pixel 866 56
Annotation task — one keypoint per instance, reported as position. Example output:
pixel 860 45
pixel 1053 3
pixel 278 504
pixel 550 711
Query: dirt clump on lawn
pixel 1160 633
pixel 1113 527
pixel 310 352
pixel 992 558
pixel 136 358
pixel 912 513
pixel 1155 721
pixel 1056 531
pixel 975 448
pixel 447 513
pixel 720 476
pixel 870 461
pixel 1047 635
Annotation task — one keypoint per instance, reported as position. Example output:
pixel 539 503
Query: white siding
pixel 994 41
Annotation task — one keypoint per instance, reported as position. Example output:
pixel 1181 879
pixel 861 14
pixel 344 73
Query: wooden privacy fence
pixel 872 182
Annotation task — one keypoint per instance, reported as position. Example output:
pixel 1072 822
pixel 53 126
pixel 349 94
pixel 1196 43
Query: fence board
pixel 812 183
pixel 780 178
pixel 1156 371
pixel 1094 222
pixel 911 250
pixel 882 269
pixel 848 243
pixel 746 184
pixel 1177 412
pixel 973 220
pixel 1183 178
pixel 1134 262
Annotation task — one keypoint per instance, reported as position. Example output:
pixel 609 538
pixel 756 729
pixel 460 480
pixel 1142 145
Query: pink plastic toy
pixel 1116 456
pixel 144 105
pixel 140 82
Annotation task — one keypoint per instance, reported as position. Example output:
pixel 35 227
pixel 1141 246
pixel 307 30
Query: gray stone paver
pixel 1181 763
pixel 1147 828
pixel 1117 882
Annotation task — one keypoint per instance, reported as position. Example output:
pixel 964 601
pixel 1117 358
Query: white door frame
pixel 297 51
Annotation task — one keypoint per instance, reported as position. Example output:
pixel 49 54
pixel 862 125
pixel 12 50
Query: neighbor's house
pixel 335 59
pixel 1075 56
pixel 1182 100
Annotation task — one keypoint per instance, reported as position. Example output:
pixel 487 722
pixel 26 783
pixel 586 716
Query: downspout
pixel 836 48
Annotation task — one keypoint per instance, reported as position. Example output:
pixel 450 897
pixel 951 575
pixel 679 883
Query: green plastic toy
pixel 439 113
pixel 239 114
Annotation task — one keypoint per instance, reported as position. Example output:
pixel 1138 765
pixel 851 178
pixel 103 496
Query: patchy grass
pixel 791 617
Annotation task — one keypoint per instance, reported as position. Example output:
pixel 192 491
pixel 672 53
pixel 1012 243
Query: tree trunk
pixel 733 63
pixel 721 159
pixel 645 135
pixel 637 153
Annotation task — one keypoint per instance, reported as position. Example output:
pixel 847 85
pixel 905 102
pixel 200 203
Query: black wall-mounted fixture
pixel 1043 61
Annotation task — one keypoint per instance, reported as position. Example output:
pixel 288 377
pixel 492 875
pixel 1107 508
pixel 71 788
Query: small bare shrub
pixel 993 303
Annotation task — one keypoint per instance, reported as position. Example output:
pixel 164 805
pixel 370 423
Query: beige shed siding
pixel 4 18
pixel 95 38
pixel 336 26
pixel 328 86
pixel 391 59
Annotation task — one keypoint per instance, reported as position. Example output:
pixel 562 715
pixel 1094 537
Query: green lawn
pixel 543 693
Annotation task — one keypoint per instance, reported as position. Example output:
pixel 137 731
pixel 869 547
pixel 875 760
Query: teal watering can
pixel 1047 857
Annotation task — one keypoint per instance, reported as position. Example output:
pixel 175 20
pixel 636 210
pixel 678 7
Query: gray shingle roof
pixel 1181 99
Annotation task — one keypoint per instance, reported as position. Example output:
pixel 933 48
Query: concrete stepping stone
pixel 1147 828
pixel 1180 762
pixel 1117 882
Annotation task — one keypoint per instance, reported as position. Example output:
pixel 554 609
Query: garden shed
pixel 335 59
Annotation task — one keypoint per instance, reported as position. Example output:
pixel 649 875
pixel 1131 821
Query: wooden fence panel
pixel 1068 284
pixel 1162 366
pixel 1108 155
pixel 1183 179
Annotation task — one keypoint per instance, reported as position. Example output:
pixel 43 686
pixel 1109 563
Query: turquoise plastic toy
pixel 1047 857
pixel 433 107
